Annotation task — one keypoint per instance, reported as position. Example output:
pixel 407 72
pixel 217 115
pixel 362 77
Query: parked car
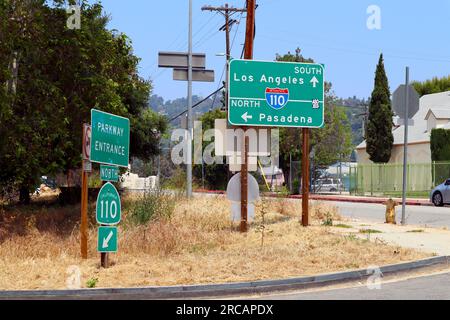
pixel 441 194
pixel 328 185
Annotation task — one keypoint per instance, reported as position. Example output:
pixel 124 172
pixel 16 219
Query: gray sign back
pixel 399 101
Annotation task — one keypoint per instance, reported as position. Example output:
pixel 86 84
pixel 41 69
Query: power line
pixel 197 104
pixel 231 48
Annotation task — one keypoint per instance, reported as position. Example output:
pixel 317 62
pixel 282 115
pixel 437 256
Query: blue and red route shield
pixel 277 98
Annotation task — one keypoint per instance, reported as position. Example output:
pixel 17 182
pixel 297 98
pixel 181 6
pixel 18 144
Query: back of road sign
pixel 399 101
pixel 234 188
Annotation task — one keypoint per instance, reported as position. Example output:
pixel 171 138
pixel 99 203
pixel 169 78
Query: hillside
pixel 354 108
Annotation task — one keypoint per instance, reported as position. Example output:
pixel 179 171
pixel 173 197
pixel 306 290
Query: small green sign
pixel 108 210
pixel 276 94
pixel 109 173
pixel 107 239
pixel 110 139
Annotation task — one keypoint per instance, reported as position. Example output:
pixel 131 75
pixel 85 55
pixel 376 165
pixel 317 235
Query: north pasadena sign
pixel 276 94
pixel 110 141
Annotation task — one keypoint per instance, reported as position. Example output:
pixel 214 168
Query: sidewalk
pixel 340 198
pixel 432 240
pixel 360 199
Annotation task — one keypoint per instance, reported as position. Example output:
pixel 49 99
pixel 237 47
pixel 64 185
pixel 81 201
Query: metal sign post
pixel 305 177
pixel 405 148
pixel 86 149
pixel 406 103
pixel 189 101
pixel 187 66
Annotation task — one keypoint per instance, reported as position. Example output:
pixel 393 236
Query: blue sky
pixel 413 33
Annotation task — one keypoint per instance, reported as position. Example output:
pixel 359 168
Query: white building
pixel 434 112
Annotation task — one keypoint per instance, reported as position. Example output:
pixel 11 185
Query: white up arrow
pixel 245 116
pixel 106 240
pixel 314 81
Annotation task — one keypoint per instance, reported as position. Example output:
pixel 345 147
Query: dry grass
pixel 197 245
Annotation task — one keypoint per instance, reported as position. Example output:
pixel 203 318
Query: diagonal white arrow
pixel 106 240
pixel 314 81
pixel 245 116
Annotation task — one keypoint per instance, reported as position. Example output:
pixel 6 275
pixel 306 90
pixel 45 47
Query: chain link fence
pixel 387 179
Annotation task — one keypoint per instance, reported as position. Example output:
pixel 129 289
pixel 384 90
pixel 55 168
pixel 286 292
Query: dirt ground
pixel 39 247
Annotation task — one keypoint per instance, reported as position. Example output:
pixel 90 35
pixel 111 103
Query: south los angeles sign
pixel 276 94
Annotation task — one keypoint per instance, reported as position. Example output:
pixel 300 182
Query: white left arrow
pixel 107 239
pixel 314 81
pixel 245 116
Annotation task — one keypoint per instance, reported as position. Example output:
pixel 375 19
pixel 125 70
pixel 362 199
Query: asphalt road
pixel 416 215
pixel 429 216
pixel 434 287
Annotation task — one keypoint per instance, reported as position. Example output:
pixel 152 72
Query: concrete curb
pixel 218 290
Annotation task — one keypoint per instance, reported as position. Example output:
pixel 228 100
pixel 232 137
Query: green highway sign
pixel 110 139
pixel 108 209
pixel 276 94
pixel 109 173
pixel 107 239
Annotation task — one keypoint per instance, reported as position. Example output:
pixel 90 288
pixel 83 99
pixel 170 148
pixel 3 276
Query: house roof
pixel 439 113
pixel 440 102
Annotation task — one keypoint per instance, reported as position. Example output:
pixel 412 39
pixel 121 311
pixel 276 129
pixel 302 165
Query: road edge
pixel 220 290
pixel 334 198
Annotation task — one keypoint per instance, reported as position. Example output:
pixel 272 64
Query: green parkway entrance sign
pixel 110 139
pixel 276 94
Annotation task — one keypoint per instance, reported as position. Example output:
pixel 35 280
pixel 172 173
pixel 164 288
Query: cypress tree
pixel 379 138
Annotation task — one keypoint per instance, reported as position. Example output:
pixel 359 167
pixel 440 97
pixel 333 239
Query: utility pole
pixel 227 12
pixel 189 118
pixel 248 54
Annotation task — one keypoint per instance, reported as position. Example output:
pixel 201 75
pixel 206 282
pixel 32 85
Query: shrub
pixel 92 283
pixel 151 205
pixel 328 220
pixel 440 145
pixel 295 187
pixel 177 181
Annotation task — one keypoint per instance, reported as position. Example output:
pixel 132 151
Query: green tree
pixel 215 175
pixel 434 85
pixel 379 137
pixel 330 143
pixel 62 74
pixel 440 145
pixel 440 152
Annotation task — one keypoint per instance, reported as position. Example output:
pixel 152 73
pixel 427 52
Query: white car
pixel 441 194
pixel 328 185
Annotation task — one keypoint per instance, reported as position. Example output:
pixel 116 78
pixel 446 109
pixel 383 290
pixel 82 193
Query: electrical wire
pixel 197 104
pixel 231 48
